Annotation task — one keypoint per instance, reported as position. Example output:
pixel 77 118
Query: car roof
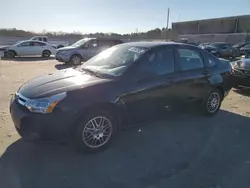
pixel 153 44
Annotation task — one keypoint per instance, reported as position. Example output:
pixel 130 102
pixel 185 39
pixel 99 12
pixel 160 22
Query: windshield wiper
pixel 90 71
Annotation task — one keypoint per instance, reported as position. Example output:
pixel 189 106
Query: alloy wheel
pixel 97 132
pixel 213 102
pixel 76 60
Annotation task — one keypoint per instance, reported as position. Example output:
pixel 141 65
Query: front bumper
pixel 62 58
pixel 54 127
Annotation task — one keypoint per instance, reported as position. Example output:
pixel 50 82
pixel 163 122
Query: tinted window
pixel 36 44
pixel 210 60
pixel 190 59
pixel 160 61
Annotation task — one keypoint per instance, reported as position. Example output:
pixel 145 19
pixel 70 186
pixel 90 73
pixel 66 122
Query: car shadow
pixel 62 66
pixel 38 58
pixel 243 91
pixel 176 151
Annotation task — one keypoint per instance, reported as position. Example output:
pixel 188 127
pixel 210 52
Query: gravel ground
pixel 181 151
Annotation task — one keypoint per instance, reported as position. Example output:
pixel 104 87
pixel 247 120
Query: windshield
pixel 114 61
pixel 80 42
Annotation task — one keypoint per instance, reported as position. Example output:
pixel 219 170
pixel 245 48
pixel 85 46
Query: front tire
pixel 212 103
pixel 95 132
pixel 46 53
pixel 10 54
pixel 75 60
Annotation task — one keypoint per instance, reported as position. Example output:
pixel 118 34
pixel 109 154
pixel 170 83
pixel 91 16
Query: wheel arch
pixel 111 107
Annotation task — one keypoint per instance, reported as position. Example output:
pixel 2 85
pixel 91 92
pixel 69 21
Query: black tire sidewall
pixel 10 53
pixel 46 53
pixel 79 143
pixel 75 55
pixel 204 104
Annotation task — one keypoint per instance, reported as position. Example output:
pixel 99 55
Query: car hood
pixel 66 48
pixel 58 82
pixel 2 48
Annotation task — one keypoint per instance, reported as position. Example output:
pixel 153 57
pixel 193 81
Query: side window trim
pixel 177 57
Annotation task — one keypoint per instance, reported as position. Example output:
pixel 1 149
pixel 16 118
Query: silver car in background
pixel 84 49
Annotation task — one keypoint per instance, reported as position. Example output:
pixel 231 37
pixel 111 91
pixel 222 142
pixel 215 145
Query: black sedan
pixel 241 73
pixel 90 103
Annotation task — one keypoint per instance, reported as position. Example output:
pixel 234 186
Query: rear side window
pixel 190 59
pixel 160 61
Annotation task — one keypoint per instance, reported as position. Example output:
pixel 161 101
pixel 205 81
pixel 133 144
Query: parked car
pixel 29 48
pixel 221 49
pixel 84 49
pixel 240 45
pixel 241 73
pixel 57 44
pixel 89 103
pixel 245 50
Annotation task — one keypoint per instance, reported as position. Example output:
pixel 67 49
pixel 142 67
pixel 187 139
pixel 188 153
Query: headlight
pixel 213 51
pixel 44 105
pixel 63 52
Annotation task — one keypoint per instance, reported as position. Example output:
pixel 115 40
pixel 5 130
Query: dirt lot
pixel 181 151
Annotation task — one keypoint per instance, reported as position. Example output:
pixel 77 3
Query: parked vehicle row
pixel 221 49
pixel 56 44
pixel 88 104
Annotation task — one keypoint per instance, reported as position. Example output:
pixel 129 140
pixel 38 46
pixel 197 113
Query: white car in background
pixel 30 48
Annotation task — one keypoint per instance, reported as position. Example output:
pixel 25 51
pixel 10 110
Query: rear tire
pixel 11 54
pixel 46 53
pixel 211 104
pixel 75 60
pixel 95 131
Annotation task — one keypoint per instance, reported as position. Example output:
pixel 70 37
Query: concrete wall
pixel 236 24
pixel 232 38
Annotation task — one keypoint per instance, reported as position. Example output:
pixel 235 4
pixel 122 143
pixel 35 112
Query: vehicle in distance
pixel 57 44
pixel 245 50
pixel 241 73
pixel 29 48
pixel 221 49
pixel 90 103
pixel 241 45
pixel 84 49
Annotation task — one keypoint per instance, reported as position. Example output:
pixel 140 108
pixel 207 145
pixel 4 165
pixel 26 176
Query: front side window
pixel 80 42
pixel 190 59
pixel 160 61
pixel 25 44
pixel 115 60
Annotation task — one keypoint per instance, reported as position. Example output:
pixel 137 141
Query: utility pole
pixel 167 24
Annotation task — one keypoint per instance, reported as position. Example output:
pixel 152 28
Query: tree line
pixel 154 34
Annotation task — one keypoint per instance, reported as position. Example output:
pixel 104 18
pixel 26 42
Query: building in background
pixel 229 29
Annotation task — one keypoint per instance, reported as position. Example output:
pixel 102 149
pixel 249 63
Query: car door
pixel 151 83
pixel 36 48
pixel 23 49
pixel 89 49
pixel 191 83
